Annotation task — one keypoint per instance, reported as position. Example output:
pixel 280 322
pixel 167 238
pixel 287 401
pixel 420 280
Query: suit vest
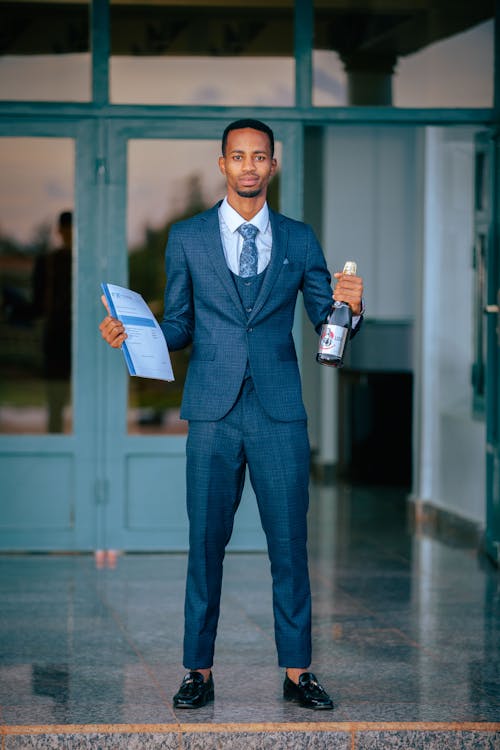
pixel 248 289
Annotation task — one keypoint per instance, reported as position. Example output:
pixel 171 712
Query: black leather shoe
pixel 308 692
pixel 194 692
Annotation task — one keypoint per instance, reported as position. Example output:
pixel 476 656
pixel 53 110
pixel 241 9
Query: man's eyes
pixel 257 157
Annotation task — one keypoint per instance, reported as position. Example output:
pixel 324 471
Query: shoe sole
pixel 292 699
pixel 208 699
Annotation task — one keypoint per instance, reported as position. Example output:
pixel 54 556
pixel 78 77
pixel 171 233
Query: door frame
pixel 492 314
pixel 120 477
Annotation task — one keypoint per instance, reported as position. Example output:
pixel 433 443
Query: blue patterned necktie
pixel 248 257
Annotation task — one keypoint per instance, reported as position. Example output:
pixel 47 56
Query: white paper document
pixel 145 349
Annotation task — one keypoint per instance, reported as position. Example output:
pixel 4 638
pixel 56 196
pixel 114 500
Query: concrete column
pixel 369 79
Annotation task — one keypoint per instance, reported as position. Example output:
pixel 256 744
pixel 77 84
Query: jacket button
pixel 249 330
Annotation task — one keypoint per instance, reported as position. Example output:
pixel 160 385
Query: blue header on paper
pixel 132 320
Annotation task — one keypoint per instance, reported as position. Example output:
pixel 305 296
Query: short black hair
pixel 248 123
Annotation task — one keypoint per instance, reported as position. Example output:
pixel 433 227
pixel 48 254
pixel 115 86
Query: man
pixel 233 276
pixel 52 302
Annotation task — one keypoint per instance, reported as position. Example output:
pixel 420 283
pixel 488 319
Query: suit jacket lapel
pixel 213 247
pixel 278 253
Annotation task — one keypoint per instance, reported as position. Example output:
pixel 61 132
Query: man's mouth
pixel 249 181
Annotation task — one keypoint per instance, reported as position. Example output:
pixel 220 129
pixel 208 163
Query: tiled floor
pixel 406 634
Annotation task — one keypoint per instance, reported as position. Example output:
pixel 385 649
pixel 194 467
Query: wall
pixel 451 443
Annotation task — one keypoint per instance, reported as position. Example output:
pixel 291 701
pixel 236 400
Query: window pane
pixel 45 51
pixel 169 180
pixel 36 189
pixel 454 72
pixel 166 183
pixel 200 53
pixel 403 54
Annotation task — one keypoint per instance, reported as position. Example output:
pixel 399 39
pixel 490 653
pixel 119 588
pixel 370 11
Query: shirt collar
pixel 233 220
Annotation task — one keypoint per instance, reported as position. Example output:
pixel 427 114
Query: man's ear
pixel 222 165
pixel 274 165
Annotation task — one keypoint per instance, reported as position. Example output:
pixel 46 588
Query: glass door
pixel 159 173
pixel 36 226
pixel 46 253
pixel 167 181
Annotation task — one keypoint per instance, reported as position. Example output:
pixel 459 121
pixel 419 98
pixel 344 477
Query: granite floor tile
pixel 395 638
pixel 144 711
pixel 424 740
pixel 272 740
pixel 91 741
pixel 394 711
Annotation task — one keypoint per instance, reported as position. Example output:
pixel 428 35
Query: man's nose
pixel 248 164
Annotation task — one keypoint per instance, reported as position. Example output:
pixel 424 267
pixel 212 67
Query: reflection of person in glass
pixel 233 276
pixel 52 302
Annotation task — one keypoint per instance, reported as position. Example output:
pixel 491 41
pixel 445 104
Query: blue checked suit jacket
pixel 202 307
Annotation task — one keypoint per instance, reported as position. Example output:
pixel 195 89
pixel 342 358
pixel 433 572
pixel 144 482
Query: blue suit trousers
pixel 277 455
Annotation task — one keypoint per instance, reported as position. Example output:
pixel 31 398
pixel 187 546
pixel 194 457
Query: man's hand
pixel 112 329
pixel 349 289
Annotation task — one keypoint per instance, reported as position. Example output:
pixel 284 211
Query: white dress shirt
pixel 232 241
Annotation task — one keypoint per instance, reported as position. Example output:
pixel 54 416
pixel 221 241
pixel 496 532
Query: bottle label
pixel 332 340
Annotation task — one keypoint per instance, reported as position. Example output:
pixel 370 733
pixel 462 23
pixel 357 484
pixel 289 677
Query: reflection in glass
pixel 45 54
pixel 168 181
pixel 329 79
pixel 404 56
pixel 482 233
pixel 452 72
pixel 52 304
pixel 36 182
pixel 187 53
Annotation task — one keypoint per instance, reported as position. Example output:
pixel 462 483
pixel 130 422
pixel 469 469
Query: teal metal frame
pixel 492 400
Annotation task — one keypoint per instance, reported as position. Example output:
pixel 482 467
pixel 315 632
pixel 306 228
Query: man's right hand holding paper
pixel 112 329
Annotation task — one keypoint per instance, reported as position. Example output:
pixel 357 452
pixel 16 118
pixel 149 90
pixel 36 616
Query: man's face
pixel 247 164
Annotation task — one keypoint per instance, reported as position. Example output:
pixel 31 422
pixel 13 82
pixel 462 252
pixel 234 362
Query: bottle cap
pixel 350 268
